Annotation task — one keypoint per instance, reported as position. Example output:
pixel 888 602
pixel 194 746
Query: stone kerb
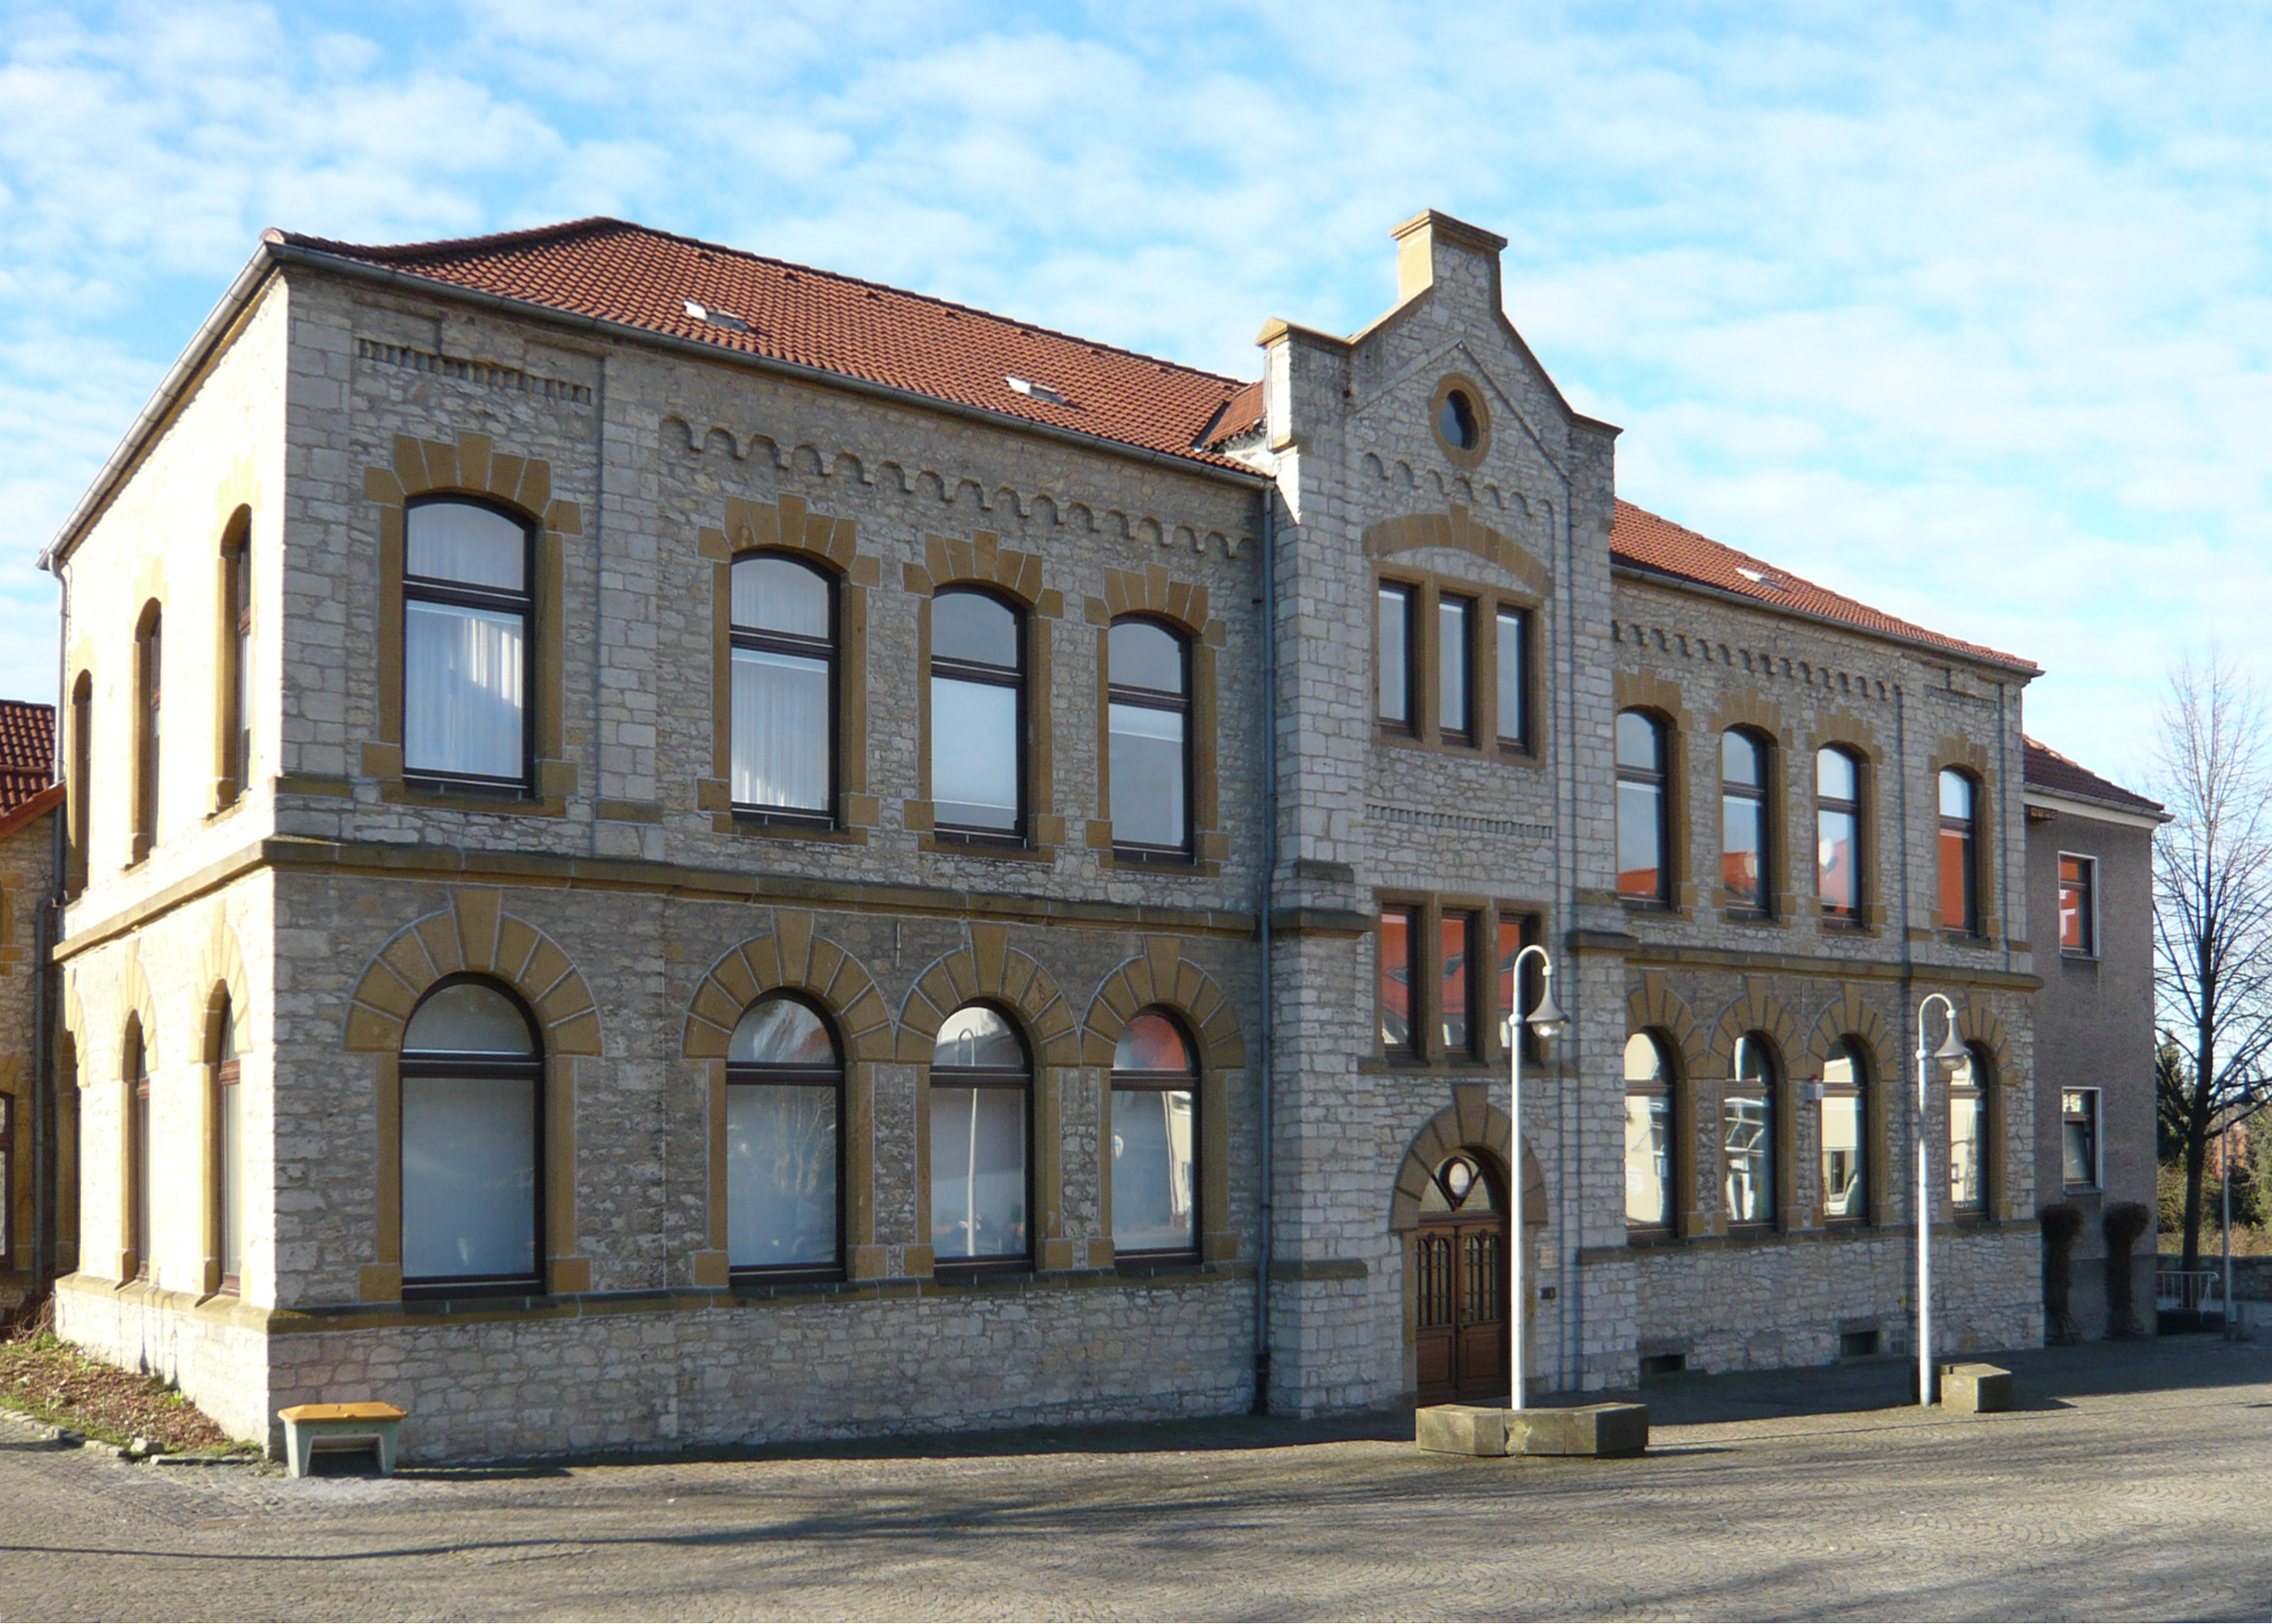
pixel 792 959
pixel 473 934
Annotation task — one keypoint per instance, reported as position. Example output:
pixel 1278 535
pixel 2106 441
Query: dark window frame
pixel 2087 887
pixel 1409 593
pixel 829 651
pixel 1414 916
pixel 1190 1083
pixel 1026 1079
pixel 1666 1087
pixel 1770 1088
pixel 430 590
pixel 411 1063
pixel 1861 1091
pixel 1660 779
pixel 1472 925
pixel 1522 741
pixel 1154 699
pixel 758 1074
pixel 227 1073
pixel 149 704
pixel 2093 1117
pixel 80 790
pixel 141 1194
pixel 236 663
pixel 1840 911
pixel 1760 798
pixel 1469 612
pixel 1020 680
pixel 1981 1091
pixel 1969 828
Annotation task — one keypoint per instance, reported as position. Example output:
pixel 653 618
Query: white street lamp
pixel 1547 1021
pixel 1951 1049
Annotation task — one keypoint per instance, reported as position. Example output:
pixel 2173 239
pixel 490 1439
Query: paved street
pixel 2135 1481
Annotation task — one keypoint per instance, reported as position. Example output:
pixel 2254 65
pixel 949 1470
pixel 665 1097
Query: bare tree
pixel 2212 912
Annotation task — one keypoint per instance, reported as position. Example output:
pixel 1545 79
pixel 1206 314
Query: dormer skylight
pixel 716 317
pixel 1039 391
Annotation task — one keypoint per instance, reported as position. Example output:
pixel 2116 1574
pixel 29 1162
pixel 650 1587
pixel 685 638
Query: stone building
pixel 30 802
pixel 675 847
pixel 2090 886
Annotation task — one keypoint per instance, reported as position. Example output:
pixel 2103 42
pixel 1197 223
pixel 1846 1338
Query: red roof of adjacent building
pixel 1644 540
pixel 2047 769
pixel 618 271
pixel 27 775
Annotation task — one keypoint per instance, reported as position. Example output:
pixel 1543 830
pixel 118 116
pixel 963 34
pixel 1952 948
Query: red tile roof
pixel 2047 769
pixel 28 751
pixel 1644 540
pixel 618 271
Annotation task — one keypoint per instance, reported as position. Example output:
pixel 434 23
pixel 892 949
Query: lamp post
pixel 1951 1049
pixel 1547 1021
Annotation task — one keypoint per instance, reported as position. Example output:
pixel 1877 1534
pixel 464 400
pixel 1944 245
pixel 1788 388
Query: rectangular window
pixel 1747 1124
pixel 783 621
pixel 1742 823
pixel 1454 659
pixel 82 769
pixel 780 1175
pixel 978 715
pixel 232 1176
pixel 466 617
pixel 1154 1186
pixel 1455 971
pixel 469 1177
pixel 977 1173
pixel 1514 678
pixel 1837 834
pixel 2079 1138
pixel 1517 931
pixel 149 694
pixel 1641 786
pixel 1396 639
pixel 1968 1135
pixel 1841 1157
pixel 1959 880
pixel 1396 980
pixel 1147 716
pixel 2078 903
pixel 1648 1161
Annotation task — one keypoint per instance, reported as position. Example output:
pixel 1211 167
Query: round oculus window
pixel 1456 421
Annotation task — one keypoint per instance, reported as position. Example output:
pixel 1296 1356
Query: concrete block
pixel 1975 1390
pixel 1460 1429
pixel 1602 1430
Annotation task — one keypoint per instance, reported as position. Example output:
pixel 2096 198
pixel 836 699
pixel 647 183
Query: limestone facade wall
pixel 26 880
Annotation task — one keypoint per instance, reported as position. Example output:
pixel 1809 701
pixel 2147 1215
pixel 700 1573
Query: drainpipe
pixel 1268 890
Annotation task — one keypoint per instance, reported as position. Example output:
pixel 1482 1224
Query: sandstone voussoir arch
pixel 989 970
pixel 1161 976
pixel 473 934
pixel 791 959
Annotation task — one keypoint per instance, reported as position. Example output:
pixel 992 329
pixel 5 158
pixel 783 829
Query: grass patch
pixel 47 1379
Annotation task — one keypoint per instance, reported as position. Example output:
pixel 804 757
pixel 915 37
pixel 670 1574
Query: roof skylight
pixel 717 318
pixel 1039 391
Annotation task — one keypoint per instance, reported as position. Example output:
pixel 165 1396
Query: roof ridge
pixel 597 224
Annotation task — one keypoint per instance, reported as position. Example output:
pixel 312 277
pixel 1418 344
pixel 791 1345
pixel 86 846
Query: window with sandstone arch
pixel 784 1141
pixel 233 670
pixel 472 1159
pixel 980 1085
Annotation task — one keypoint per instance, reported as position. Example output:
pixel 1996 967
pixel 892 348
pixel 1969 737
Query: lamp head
pixel 1547 1019
pixel 1952 1048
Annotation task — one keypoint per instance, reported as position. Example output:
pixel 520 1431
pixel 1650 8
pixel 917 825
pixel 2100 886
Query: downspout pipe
pixel 1267 1047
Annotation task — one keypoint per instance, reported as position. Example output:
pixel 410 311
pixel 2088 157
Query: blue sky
pixel 1964 310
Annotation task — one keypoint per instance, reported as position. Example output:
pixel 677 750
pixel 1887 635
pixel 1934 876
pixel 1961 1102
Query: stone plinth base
pixel 1480 1429
pixel 1975 1390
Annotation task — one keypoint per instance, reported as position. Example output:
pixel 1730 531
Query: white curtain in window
pixel 461 690
pixel 1148 775
pixel 781 730
pixel 781 1176
pixel 977 1172
pixel 468 1177
pixel 1151 1170
pixel 974 753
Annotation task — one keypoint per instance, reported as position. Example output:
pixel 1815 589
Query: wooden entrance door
pixel 1459 1280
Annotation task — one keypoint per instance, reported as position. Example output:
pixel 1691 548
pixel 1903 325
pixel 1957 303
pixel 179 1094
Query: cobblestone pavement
pixel 2135 1480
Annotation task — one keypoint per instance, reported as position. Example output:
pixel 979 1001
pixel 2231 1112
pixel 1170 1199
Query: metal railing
pixel 2192 1289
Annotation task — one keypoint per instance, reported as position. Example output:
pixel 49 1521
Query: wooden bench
pixel 311 1427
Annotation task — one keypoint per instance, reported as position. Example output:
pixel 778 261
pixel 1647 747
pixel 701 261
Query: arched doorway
pixel 1458 1264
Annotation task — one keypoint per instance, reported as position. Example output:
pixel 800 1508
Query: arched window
pixel 784 732
pixel 467 615
pixel 149 691
pixel 1649 1201
pixel 1149 707
pixel 1743 821
pixel 1838 833
pixel 784 1092
pixel 142 1210
pixel 1845 1135
pixel 1747 1124
pixel 1959 853
pixel 977 716
pixel 980 1079
pixel 236 672
pixel 473 1084
pixel 1970 1082
pixel 1644 874
pixel 82 775
pixel 1155 1139
pixel 228 1203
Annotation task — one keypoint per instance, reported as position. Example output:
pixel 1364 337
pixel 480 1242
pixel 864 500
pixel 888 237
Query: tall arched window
pixel 784 1091
pixel 228 1101
pixel 977 716
pixel 467 610
pixel 981 1082
pixel 1644 874
pixel 784 730
pixel 1155 1139
pixel 1743 821
pixel 473 1085
pixel 141 1200
pixel 1747 1123
pixel 1149 707
pixel 1649 1133
pixel 1959 853
pixel 82 776
pixel 1970 1082
pixel 149 692
pixel 1845 1135
pixel 236 673
pixel 1838 833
